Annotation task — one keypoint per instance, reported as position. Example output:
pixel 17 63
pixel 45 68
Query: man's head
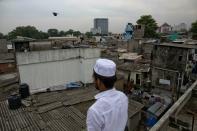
pixel 104 74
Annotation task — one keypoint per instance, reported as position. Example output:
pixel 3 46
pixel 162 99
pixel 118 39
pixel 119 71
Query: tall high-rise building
pixel 102 24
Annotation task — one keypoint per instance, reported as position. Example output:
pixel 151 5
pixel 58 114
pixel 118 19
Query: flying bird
pixel 55 13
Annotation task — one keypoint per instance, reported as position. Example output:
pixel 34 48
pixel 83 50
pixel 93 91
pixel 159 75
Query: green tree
pixel 62 33
pixel 150 26
pixel 53 32
pixel 89 34
pixel 70 32
pixel 76 33
pixel 43 35
pixel 194 30
pixel 25 31
pixel 1 35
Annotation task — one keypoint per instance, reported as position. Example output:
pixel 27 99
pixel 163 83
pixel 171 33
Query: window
pixel 180 58
pixel 190 57
pixel 145 75
pixel 155 47
pixel 137 78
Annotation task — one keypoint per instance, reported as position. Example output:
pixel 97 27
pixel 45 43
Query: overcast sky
pixel 79 14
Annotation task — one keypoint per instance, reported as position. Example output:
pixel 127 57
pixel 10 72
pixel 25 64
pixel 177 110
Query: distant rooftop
pixel 130 56
pixel 165 24
pixel 64 38
pixel 134 67
pixel 21 38
pixel 187 46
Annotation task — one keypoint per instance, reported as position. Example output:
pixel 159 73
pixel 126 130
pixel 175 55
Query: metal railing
pixel 162 124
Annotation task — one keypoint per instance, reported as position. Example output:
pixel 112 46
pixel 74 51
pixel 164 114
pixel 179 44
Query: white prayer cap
pixel 105 67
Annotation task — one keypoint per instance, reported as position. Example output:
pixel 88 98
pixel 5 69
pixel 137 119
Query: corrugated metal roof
pixel 187 46
pixel 134 107
pixel 45 114
pixel 23 39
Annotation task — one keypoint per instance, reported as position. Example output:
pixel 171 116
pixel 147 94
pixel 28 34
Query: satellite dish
pixel 55 13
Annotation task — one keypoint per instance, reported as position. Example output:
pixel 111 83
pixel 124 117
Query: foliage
pixel 70 32
pixel 53 32
pixel 1 35
pixel 89 34
pixel 150 26
pixel 32 32
pixel 62 33
pixel 77 33
pixel 27 31
pixel 194 30
pixel 43 35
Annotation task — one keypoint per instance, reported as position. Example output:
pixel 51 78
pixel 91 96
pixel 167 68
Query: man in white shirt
pixel 110 111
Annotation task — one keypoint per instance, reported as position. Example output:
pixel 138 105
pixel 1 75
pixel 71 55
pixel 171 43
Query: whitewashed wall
pixel 132 75
pixel 43 69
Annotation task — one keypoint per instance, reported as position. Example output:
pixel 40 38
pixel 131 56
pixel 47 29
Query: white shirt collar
pixel 105 93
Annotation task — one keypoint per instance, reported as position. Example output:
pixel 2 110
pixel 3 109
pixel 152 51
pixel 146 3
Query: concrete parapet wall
pixel 5 56
pixel 46 56
pixel 3 46
pixel 55 55
pixel 43 69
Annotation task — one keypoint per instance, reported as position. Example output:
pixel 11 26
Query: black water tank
pixel 14 101
pixel 24 90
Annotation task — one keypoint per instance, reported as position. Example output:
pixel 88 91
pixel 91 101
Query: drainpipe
pixel 178 86
pixel 182 79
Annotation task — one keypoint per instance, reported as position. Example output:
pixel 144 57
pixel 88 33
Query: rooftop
pixel 165 24
pixel 54 111
pixel 187 46
pixel 130 56
pixel 64 38
pixel 23 39
pixel 134 67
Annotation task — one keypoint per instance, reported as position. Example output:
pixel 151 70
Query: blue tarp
pixel 151 121
pixel 73 85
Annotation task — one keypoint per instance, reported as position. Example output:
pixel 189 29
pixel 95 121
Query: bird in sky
pixel 55 13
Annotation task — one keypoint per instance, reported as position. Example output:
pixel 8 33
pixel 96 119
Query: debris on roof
pixel 134 67
pixel 130 56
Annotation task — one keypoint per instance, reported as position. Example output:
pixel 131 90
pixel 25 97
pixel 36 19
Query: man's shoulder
pixel 99 103
pixel 120 93
pixel 97 107
pixel 105 103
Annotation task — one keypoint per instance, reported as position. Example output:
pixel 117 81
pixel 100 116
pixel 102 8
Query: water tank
pixel 24 90
pixel 14 101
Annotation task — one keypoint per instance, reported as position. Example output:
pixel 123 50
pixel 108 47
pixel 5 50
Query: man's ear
pixel 97 81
